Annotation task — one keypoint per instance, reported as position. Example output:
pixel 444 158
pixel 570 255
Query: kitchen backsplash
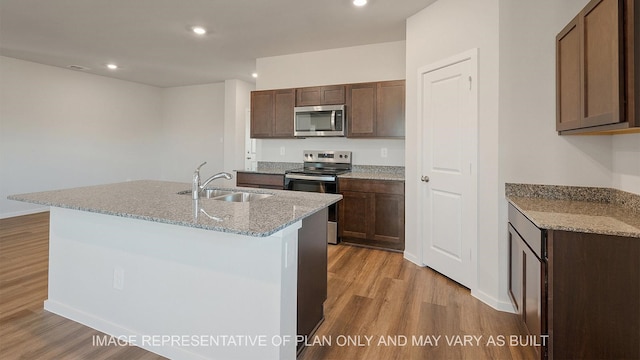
pixel 387 152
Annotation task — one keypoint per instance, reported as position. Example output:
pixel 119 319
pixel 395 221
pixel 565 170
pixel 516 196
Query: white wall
pixel 626 162
pixel 531 150
pixel 444 29
pixel 237 103
pixel 193 130
pixel 377 62
pixel 60 128
pixel 384 61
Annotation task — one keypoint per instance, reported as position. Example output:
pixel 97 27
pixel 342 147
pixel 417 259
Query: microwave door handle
pixel 333 120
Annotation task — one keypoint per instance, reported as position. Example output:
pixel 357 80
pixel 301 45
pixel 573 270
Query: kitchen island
pixel 187 279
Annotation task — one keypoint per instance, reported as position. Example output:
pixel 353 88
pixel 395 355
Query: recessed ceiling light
pixel 199 30
pixel 112 66
pixel 255 75
pixel 359 2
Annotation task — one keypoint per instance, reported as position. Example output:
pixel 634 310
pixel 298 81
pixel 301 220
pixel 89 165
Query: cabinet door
pixel 284 104
pixel 320 95
pixel 516 259
pixel 262 113
pixel 390 117
pixel 332 95
pixel 388 221
pixel 568 84
pixel 361 109
pixel 602 69
pixel 354 214
pixel 308 96
pixel 533 292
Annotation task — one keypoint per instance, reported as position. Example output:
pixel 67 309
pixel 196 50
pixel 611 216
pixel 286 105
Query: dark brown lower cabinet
pixel 371 213
pixel 582 290
pixel 260 180
pixel 527 288
pixel 312 273
pixel 594 296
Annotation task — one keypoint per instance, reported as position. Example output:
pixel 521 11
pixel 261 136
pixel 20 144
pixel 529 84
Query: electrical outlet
pixel 384 152
pixel 281 150
pixel 118 278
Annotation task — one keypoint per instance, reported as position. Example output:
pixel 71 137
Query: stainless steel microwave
pixel 327 120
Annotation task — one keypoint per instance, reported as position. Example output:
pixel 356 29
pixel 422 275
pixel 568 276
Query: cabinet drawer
pixel 371 186
pixel 531 234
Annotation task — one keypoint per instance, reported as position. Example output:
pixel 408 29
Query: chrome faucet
pixel 196 187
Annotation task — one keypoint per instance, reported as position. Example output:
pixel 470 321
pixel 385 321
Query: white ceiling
pixel 150 39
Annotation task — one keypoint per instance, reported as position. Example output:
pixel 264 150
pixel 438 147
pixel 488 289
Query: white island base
pixel 181 292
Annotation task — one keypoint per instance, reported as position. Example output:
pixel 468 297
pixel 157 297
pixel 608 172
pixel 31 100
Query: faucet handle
pixel 201 165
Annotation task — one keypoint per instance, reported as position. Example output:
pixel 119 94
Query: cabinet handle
pixel 424 178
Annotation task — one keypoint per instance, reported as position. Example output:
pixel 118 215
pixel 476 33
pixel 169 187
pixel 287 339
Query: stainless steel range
pixel 320 174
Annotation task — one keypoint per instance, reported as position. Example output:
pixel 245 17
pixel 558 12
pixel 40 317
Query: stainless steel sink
pixel 242 197
pixel 208 193
pixel 226 195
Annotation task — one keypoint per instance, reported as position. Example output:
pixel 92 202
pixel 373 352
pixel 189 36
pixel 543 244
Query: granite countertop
pixel 369 172
pixel 273 168
pixel 578 209
pixel 159 201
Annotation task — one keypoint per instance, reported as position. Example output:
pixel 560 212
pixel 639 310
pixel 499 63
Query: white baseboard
pixel 413 258
pixel 115 330
pixel 499 305
pixel 23 212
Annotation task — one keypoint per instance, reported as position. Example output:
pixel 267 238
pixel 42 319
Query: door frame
pixel 472 56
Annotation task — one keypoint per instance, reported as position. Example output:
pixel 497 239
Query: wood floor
pixel 376 298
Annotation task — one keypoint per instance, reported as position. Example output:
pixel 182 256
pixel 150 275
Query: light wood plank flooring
pixel 372 295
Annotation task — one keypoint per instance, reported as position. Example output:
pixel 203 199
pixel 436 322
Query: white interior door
pixel 448 114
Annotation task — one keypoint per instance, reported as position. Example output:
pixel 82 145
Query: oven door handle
pixel 333 120
pixel 310 177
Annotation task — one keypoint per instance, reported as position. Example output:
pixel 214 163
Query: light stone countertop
pixel 369 172
pixel 372 176
pixel 158 201
pixel 375 172
pixel 273 168
pixel 603 211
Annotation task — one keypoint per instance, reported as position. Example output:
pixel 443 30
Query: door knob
pixel 424 178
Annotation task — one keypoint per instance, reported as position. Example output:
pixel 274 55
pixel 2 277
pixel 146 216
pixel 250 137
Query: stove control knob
pixel 340 156
pixel 346 156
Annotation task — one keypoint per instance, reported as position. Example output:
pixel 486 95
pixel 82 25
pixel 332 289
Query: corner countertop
pixel 578 209
pixel 159 201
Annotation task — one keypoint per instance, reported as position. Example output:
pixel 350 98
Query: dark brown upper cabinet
pixel 320 95
pixel 376 109
pixel 597 70
pixel 272 113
